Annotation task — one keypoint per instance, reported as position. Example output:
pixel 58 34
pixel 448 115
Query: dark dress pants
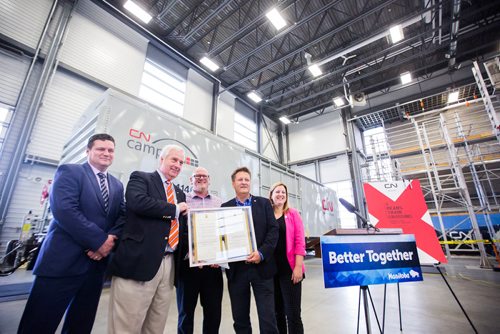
pixel 50 297
pixel 239 285
pixel 207 283
pixel 287 301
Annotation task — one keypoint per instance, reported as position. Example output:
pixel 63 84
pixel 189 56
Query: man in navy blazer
pixel 143 267
pixel 259 268
pixel 73 257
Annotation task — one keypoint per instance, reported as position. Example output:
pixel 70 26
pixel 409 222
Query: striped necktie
pixel 173 236
pixel 104 190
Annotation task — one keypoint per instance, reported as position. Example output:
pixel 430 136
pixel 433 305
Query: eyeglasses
pixel 199 177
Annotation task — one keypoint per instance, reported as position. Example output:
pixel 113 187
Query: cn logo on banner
pixel 399 204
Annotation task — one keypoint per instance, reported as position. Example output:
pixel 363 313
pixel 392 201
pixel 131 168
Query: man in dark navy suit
pixel 89 210
pixel 259 268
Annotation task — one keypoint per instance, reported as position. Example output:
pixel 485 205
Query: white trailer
pixel 141 131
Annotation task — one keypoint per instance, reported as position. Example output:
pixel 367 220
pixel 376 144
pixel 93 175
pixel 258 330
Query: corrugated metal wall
pixel 13 70
pixel 26 197
pixel 65 100
pixel 23 20
pixel 104 48
pixel 97 46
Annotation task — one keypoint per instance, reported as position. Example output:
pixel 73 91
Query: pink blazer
pixel 295 239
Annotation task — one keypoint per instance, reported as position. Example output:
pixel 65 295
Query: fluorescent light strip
pixel 285 120
pixel 453 97
pixel 254 97
pixel 276 19
pixel 339 101
pixel 396 33
pixel 209 64
pixel 137 11
pixel 315 70
pixel 405 78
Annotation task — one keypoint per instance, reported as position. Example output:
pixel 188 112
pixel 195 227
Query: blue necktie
pixel 104 190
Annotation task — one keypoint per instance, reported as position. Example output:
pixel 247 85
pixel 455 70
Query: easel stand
pixel 364 293
pixel 454 296
pixel 364 290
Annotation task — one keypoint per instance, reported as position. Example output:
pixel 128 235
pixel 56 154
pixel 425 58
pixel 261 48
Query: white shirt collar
pixel 97 171
pixel 163 178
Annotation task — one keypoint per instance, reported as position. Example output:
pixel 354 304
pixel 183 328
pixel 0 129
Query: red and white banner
pixel 400 204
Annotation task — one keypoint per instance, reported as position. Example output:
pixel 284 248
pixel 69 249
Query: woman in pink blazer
pixel 289 255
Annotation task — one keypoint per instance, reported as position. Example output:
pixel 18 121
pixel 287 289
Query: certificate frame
pixel 220 235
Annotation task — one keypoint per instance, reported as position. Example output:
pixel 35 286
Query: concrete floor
pixel 427 307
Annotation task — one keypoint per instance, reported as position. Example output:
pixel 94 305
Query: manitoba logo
pixel 143 142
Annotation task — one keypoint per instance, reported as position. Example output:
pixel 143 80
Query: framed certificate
pixel 220 235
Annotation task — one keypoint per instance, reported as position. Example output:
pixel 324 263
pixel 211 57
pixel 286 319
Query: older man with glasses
pixel 205 282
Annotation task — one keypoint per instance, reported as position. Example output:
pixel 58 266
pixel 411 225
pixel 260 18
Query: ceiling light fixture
pixel 285 120
pixel 254 97
pixel 315 70
pixel 137 11
pixel 276 19
pixel 209 64
pixel 453 97
pixel 405 78
pixel 339 101
pixel 396 33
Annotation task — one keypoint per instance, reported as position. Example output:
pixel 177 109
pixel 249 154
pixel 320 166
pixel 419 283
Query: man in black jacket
pixel 259 268
pixel 143 267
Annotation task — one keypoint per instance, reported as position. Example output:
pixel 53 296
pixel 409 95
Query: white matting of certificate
pixel 220 235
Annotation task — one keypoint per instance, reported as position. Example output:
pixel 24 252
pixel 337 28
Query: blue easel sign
pixel 369 259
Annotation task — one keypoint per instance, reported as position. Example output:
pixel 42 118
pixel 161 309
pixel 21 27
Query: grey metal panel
pixel 225 115
pixel 335 169
pixel 265 176
pixel 292 183
pixel 13 71
pixel 318 136
pixel 270 174
pixel 67 97
pixel 26 197
pixel 198 100
pixel 161 58
pixel 15 129
pixel 319 208
pixel 316 203
pixel 276 176
pixel 23 20
pixel 243 109
pixel 308 170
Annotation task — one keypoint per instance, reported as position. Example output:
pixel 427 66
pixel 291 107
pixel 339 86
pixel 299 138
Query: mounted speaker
pixel 358 99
